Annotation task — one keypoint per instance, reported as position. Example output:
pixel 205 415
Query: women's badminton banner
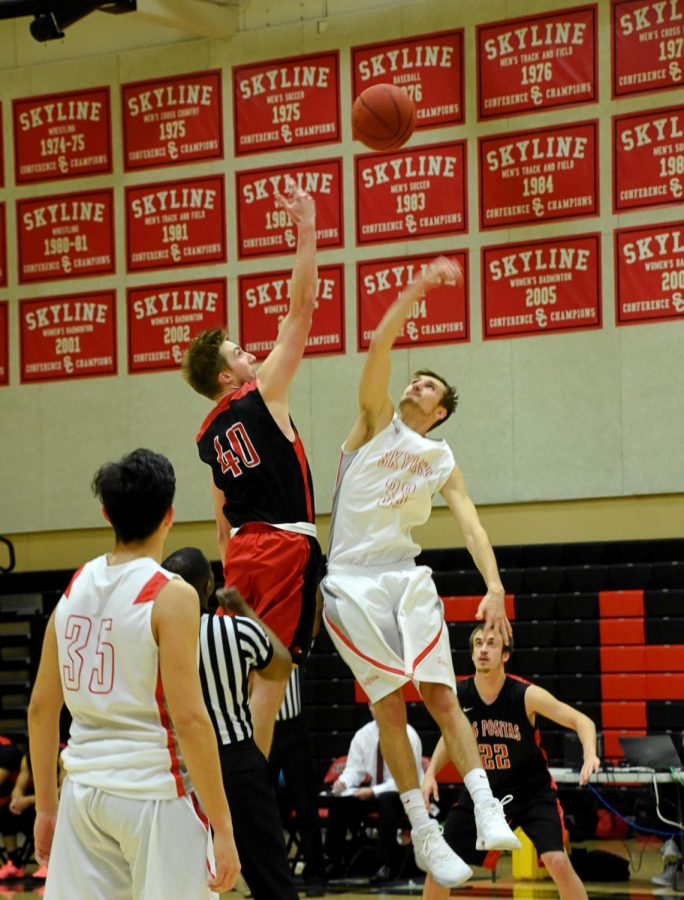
pixel 649 273
pixel 4 343
pixel 648 46
pixel 3 246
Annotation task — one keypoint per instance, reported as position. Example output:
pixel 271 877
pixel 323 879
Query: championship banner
pixel 263 229
pixel 429 68
pixel 62 136
pixel 649 273
pixel 538 62
pixel 441 317
pixel 286 103
pixel 648 158
pixel 172 120
pixel 3 246
pixel 4 343
pixel 164 318
pixel 647 39
pixel 175 223
pixel 411 193
pixel 539 287
pixel 539 175
pixel 66 236
pixel 265 299
pixel 73 336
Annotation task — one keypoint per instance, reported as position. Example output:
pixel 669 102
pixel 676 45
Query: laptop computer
pixel 653 751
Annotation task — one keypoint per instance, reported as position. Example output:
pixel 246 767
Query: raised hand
pixel 297 203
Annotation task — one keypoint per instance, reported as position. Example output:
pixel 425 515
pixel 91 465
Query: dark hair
pixel 508 648
pixel 192 566
pixel 136 493
pixel 202 363
pixel 449 399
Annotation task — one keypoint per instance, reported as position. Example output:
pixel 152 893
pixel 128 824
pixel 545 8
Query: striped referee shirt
pixel 292 701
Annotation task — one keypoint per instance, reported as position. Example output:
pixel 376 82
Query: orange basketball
pixel 383 117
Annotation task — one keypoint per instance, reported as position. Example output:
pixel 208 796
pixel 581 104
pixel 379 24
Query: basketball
pixel 383 117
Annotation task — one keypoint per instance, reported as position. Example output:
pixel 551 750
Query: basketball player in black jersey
pixel 502 709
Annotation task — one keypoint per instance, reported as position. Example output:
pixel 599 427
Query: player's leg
pixel 459 833
pixel 567 881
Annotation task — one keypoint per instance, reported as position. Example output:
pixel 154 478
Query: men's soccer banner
pixel 540 287
pixel 649 273
pixel 537 62
pixel 264 300
pixel 73 336
pixel 3 246
pixel 648 46
pixel 62 136
pixel 4 343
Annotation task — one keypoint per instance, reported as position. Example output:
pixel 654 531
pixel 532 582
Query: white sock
pixel 478 786
pixel 414 807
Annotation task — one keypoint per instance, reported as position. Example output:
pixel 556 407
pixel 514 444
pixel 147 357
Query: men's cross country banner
pixel 164 318
pixel 175 223
pixel 286 103
pixel 539 287
pixel 66 236
pixel 411 193
pixel 649 273
pixel 440 317
pixel 4 343
pixel 73 336
pixel 62 136
pixel 172 120
pixel 263 229
pixel 429 68
pixel 648 159
pixel 648 46
pixel 3 246
pixel 539 175
pixel 264 300
pixel 538 62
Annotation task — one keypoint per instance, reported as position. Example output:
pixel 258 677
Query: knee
pixel 390 711
pixel 557 863
pixel 440 701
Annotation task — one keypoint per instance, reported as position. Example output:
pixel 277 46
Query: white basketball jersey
pixel 122 739
pixel 384 489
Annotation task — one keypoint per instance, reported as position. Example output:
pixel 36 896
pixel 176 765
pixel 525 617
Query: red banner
pixel 539 175
pixel 265 299
pixel 537 62
pixel 3 246
pixel 73 336
pixel 539 287
pixel 649 273
pixel 2 152
pixel 411 193
pixel 66 236
pixel 441 317
pixel 648 46
pixel 175 223
pixel 648 158
pixel 62 136
pixel 172 120
pixel 4 343
pixel 164 318
pixel 263 229
pixel 286 103
pixel 429 68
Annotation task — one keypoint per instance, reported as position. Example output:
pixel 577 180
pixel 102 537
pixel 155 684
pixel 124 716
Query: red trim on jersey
pixel 150 590
pixel 170 742
pixel 198 809
pixel 73 578
pixel 374 662
pixel 300 453
pixel 223 404
pixel 421 656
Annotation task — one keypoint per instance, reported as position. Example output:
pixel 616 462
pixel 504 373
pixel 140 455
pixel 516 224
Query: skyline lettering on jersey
pixel 410 462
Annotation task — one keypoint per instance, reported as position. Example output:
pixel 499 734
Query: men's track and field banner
pixel 175 223
pixel 428 67
pixel 539 175
pixel 411 193
pixel 172 120
pixel 73 336
pixel 441 317
pixel 286 103
pixel 264 229
pixel 65 236
pixel 4 343
pixel 540 287
pixel 647 39
pixel 164 318
pixel 264 300
pixel 649 273
pixel 3 245
pixel 64 135
pixel 648 159
pixel 537 62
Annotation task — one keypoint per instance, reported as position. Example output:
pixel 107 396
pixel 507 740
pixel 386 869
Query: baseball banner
pixel 172 120
pixel 3 246
pixel 649 273
pixel 411 193
pixel 648 46
pixel 428 67
pixel 537 62
pixel 73 336
pixel 264 300
pixel 263 229
pixel 286 103
pixel 441 317
pixel 539 175
pixel 175 223
pixel 62 136
pixel 66 236
pixel 4 343
pixel 539 287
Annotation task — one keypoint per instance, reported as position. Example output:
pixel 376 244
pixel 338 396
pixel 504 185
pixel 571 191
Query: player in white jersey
pixel 120 649
pixel 381 610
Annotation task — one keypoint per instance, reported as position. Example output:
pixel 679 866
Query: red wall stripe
pixel 614 604
pixel 622 631
pixel 623 714
pixel 643 658
pixel 661 686
pixel 463 609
